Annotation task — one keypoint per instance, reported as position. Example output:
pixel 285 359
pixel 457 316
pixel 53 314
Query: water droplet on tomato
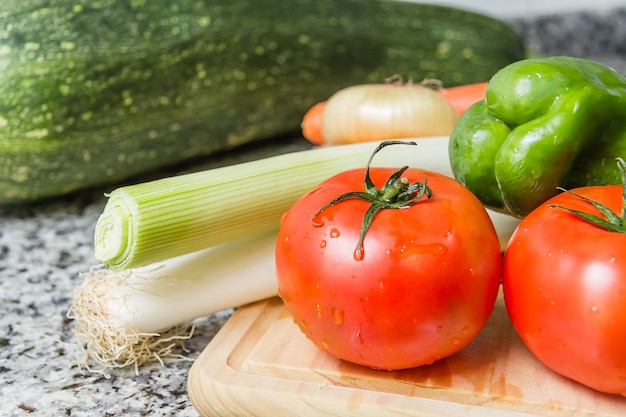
pixel 334 233
pixel 465 330
pixel 359 254
pixel 594 309
pixel 306 235
pixel 337 316
pixel 318 308
pixel 456 340
pixel 439 328
pixel 323 244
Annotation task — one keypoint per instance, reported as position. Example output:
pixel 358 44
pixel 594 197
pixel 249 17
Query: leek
pixel 153 221
pixel 127 318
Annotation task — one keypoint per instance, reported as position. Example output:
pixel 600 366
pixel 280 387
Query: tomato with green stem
pixel 564 284
pixel 392 276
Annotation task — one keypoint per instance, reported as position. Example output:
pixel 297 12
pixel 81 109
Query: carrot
pixel 460 97
pixel 463 96
pixel 312 124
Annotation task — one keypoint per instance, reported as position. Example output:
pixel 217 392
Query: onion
pixel 393 110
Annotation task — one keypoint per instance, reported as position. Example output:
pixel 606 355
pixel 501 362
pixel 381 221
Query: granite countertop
pixel 44 247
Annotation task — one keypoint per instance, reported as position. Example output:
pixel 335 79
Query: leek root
pixel 126 318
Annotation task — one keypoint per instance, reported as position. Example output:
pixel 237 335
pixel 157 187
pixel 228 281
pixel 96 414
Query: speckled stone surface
pixel 599 35
pixel 43 248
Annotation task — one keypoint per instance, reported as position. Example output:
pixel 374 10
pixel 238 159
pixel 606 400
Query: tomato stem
pixel 611 221
pixel 396 193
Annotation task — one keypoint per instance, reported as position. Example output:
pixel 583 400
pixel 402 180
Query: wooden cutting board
pixel 260 364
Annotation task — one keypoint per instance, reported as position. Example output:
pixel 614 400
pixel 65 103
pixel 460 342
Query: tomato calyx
pixel 611 222
pixel 396 193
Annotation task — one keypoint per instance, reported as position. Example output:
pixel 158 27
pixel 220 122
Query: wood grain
pixel 260 364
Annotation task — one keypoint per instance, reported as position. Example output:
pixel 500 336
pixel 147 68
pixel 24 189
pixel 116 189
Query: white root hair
pixel 111 344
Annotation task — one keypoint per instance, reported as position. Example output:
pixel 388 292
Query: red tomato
pixel 423 289
pixel 564 283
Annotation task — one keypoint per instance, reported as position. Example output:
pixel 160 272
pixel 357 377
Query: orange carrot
pixel 312 124
pixel 463 96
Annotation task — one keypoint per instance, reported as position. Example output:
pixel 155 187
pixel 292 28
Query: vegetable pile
pixel 183 247
pixel 180 248
pixel 546 126
pixel 387 267
pixel 349 258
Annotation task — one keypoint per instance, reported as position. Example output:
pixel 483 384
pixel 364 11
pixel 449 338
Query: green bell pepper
pixel 545 123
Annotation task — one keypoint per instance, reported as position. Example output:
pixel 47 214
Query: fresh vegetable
pixel 393 110
pixel 391 272
pixel 312 123
pixel 98 92
pixel 130 317
pixel 564 283
pixel 545 123
pixel 460 97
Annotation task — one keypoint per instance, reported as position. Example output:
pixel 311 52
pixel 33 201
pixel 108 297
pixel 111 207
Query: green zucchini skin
pixel 96 92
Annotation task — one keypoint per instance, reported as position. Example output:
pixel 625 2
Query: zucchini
pixel 95 92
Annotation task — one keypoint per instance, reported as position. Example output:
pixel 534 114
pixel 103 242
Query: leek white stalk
pixel 149 222
pixel 126 318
